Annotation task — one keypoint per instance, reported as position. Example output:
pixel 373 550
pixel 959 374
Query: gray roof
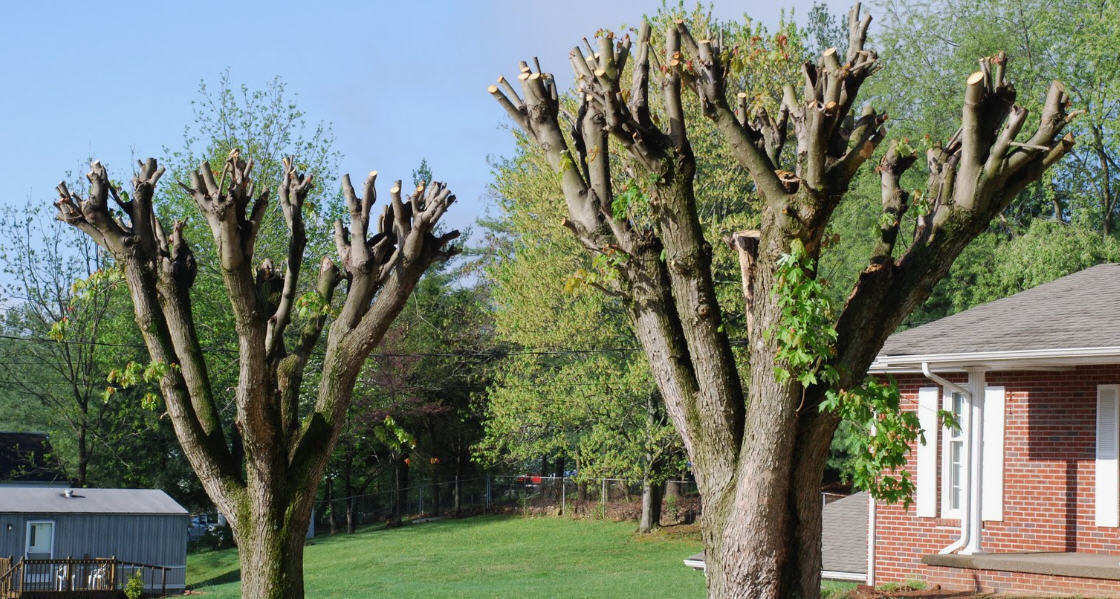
pixel 844 535
pixel 1081 310
pixel 53 500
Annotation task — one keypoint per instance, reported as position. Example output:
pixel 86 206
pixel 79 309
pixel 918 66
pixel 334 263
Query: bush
pixel 134 589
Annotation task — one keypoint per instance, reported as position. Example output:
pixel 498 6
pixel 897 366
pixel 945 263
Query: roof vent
pixel 69 493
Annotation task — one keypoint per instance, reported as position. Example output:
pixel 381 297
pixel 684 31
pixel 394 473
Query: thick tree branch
pixel 895 200
pixel 537 115
pixel 710 86
pixel 972 178
pixel 383 270
pixel 159 272
pixel 294 188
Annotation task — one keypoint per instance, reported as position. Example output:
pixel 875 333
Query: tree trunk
pixel 435 494
pixel 83 453
pixel 651 507
pixel 458 496
pixel 271 558
pixel 672 490
pixel 401 483
pixel 350 526
pixel 332 523
pixel 744 557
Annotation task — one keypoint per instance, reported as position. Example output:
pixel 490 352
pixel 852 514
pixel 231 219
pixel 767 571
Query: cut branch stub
pixel 226 208
pixel 294 188
pixel 745 243
pixel 982 167
pixel 404 228
pixel 139 234
pixel 831 145
pixel 536 113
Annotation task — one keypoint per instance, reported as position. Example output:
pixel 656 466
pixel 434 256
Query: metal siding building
pixel 138 525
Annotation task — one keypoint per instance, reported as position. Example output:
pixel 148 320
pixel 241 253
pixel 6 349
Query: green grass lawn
pixel 492 556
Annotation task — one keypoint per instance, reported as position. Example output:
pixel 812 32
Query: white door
pixel 40 540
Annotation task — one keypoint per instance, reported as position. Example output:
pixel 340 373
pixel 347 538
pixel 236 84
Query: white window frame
pixel 27 536
pixel 1107 459
pixel 948 438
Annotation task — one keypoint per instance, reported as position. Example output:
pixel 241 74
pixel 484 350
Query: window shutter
pixel 946 484
pixel 991 507
pixel 926 493
pixel 1108 472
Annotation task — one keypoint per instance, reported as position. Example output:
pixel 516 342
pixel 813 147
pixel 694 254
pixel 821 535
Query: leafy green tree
pixel 61 293
pixel 758 439
pixel 578 394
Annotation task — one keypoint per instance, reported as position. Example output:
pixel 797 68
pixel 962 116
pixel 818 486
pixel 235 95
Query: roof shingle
pixel 53 500
pixel 1081 310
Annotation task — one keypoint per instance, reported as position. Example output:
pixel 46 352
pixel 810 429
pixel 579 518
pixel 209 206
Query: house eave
pixel 1033 359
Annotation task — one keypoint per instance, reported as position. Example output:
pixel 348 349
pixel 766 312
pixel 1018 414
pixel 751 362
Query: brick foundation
pixel 991 581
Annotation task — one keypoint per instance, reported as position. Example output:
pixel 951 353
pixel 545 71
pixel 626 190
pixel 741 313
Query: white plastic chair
pixel 62 574
pixel 96 579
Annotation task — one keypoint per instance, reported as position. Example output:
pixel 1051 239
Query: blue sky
pixel 399 81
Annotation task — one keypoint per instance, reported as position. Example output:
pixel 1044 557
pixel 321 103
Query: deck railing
pixel 62 575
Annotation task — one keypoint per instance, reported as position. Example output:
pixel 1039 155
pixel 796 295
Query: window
pixel 956 456
pixel 951 459
pixel 40 539
pixel 953 466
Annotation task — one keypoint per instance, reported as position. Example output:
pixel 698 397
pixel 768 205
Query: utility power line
pixel 465 354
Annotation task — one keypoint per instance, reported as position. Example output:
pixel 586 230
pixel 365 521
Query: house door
pixel 40 540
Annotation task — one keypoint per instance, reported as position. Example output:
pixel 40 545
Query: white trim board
pixel 1032 359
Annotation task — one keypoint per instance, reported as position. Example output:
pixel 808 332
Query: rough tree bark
pixel 268 495
pixel 758 451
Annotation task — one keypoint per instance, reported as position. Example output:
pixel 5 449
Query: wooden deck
pixel 69 578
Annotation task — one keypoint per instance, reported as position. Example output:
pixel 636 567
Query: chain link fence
pixel 612 498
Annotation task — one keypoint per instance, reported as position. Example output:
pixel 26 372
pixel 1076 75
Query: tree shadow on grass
pixel 227 577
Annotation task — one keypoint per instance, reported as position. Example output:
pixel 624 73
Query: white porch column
pixel 973 512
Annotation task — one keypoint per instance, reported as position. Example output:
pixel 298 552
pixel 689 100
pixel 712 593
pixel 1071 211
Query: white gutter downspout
pixel 966 429
pixel 976 469
pixel 870 540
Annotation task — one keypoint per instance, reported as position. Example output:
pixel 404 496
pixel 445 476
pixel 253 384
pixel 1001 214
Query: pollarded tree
pixel 285 442
pixel 758 440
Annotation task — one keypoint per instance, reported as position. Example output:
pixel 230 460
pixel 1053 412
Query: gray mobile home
pixel 144 526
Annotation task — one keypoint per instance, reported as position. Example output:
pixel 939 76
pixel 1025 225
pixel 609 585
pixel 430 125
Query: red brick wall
pixel 1019 582
pixel 1048 499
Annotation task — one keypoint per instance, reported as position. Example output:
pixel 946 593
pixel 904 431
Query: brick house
pixel 1025 497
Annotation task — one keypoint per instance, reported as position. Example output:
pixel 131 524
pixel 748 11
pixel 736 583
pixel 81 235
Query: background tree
pixel 54 350
pixel 432 361
pixel 572 391
pixel 759 440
